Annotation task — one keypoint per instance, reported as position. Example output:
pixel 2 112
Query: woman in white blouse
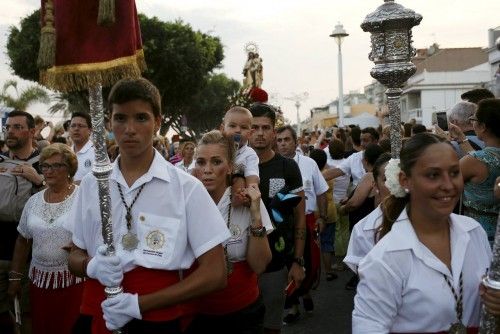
pixel 186 149
pixel 425 272
pixel 55 293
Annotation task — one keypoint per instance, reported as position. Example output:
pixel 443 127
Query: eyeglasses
pixel 80 126
pixel 17 127
pixel 473 119
pixel 55 166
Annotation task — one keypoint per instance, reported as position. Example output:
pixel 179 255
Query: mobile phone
pixel 442 120
pixel 290 288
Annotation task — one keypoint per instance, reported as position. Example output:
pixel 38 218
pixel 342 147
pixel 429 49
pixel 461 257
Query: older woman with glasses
pixel 41 235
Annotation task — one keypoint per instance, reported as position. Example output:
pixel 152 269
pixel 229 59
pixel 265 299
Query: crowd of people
pixel 228 232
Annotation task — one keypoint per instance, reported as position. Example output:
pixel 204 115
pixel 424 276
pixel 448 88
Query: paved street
pixel 332 309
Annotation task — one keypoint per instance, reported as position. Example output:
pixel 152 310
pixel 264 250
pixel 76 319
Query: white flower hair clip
pixel 392 171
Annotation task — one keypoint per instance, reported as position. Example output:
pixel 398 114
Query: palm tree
pixel 24 98
pixel 69 103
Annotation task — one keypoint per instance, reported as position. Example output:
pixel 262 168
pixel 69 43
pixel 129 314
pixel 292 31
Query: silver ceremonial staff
pixel 391 38
pixel 101 170
pixel 488 322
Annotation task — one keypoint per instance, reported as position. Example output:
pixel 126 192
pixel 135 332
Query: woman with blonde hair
pixel 238 308
pixel 186 150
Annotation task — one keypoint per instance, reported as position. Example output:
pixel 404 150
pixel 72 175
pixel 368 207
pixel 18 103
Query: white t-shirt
pixel 402 286
pixel 341 183
pixel 247 161
pixel 174 218
pixel 362 238
pixel 312 180
pixel 239 226
pixel 353 166
pixel 85 157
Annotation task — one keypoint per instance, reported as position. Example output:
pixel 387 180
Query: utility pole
pixel 298 99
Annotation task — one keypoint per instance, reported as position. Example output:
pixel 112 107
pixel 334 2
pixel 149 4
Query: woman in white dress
pixel 41 235
pixel 424 274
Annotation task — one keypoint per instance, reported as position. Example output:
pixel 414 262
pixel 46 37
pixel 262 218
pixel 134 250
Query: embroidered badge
pixel 88 163
pixel 155 240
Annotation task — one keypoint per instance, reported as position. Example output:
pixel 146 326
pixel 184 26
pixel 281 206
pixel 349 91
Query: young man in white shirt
pixel 80 129
pixel 163 222
pixel 315 188
pixel 353 165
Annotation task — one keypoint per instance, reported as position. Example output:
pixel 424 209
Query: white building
pixel 442 76
pixel 494 60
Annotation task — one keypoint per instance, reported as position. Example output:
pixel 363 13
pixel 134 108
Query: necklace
pixel 129 240
pixel 54 208
pixel 229 264
pixel 458 327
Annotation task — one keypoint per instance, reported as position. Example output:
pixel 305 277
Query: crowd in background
pixel 349 213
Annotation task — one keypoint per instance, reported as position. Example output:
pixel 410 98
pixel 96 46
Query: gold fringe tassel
pixel 81 80
pixel 47 52
pixel 106 14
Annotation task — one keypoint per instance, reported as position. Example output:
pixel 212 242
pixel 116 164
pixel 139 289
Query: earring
pixel 407 190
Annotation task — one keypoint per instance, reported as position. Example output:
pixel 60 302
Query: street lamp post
pixel 298 99
pixel 339 33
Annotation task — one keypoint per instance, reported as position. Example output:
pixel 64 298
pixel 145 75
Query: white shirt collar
pixel 404 237
pixel 159 169
pixel 85 147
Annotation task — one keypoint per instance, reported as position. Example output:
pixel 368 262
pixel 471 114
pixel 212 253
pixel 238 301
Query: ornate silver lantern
pixel 391 38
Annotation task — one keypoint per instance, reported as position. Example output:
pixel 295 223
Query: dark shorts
pixel 327 237
pixel 249 320
pixel 84 326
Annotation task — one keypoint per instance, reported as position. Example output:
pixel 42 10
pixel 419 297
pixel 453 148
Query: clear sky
pixel 293 37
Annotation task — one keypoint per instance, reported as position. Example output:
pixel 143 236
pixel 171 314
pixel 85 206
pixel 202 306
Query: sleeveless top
pixel 479 200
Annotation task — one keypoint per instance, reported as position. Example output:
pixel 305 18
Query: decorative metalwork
pixel 101 170
pixel 392 51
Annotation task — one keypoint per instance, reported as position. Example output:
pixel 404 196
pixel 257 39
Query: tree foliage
pixel 180 63
pixel 23 45
pixel 210 104
pixel 24 98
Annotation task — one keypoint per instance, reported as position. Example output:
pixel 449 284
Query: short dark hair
pixel 337 149
pixel 283 128
pixel 127 90
pixel 374 133
pixel 30 121
pixel 385 144
pixel 263 110
pixel 382 160
pixel 476 95
pixel 371 154
pixel 488 113
pixel 418 128
pixel 356 135
pixel 84 115
pixel 319 156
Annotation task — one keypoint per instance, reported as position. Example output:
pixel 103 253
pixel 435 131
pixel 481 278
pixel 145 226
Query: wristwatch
pixel 299 260
pixel 258 232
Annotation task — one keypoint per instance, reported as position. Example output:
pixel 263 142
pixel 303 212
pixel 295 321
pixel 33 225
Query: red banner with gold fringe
pixel 87 53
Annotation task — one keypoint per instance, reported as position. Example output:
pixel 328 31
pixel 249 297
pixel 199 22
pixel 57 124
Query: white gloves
pixel 106 269
pixel 119 310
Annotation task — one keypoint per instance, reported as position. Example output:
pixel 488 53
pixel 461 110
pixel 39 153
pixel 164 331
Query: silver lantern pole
pixel 101 170
pixel 391 41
